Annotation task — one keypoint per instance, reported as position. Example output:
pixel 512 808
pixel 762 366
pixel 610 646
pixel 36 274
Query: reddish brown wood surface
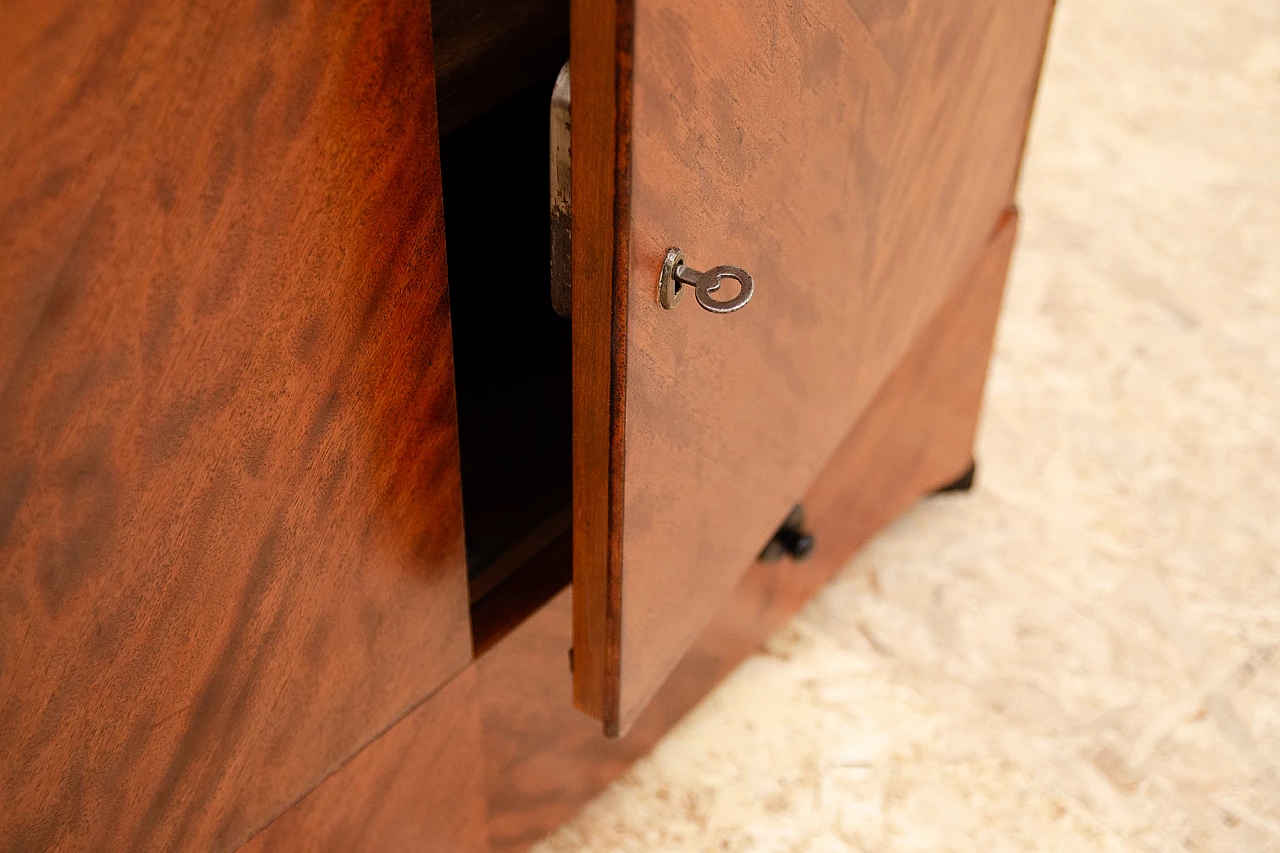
pixel 419 787
pixel 230 532
pixel 851 156
pixel 919 433
pixel 600 49
pixel 544 762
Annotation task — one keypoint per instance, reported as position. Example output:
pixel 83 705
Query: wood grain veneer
pixel 544 761
pixel 418 787
pixel 230 530
pixel 851 156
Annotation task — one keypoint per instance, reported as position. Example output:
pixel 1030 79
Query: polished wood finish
pixel 419 787
pixel 544 762
pixel 918 436
pixel 600 63
pixel 230 532
pixel 543 759
pixel 850 155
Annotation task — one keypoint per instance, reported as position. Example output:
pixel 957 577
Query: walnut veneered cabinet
pixel 319 528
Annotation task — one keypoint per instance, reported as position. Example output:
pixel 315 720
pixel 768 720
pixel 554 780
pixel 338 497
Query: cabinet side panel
pixel 919 433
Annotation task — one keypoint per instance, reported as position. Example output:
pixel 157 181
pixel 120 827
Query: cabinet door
pixel 852 156
pixel 230 527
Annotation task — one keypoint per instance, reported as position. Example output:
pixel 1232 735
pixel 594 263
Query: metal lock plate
pixel 676 274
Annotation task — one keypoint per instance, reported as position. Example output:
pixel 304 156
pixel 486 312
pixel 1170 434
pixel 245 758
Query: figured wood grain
pixel 851 156
pixel 544 762
pixel 919 433
pixel 230 530
pixel 418 787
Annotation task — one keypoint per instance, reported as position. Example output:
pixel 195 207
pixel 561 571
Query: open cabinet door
pixel 852 156
pixel 230 527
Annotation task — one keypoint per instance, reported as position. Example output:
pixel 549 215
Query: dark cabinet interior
pixel 487 51
pixel 511 350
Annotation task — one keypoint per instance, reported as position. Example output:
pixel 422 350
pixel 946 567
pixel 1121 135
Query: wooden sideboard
pixel 319 528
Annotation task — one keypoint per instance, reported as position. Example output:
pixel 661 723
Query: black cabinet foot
pixel 792 539
pixel 963 483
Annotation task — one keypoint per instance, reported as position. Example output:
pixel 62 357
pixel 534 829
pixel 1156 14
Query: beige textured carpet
pixel 1084 654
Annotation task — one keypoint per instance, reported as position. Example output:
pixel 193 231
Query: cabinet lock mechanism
pixel 676 273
